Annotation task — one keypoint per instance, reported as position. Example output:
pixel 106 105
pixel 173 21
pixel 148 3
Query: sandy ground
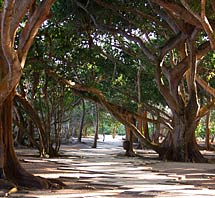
pixel 106 172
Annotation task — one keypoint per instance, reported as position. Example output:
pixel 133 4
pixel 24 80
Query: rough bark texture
pixel 11 166
pixel 128 144
pixel 182 145
pixel 1 145
pixel 12 59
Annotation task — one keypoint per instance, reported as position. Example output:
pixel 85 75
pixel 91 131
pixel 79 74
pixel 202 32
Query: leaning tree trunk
pixel 44 146
pixel 15 43
pixel 10 166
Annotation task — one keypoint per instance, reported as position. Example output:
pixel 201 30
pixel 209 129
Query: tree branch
pixel 30 30
pixel 202 18
pixel 179 11
pixel 172 43
pixel 205 86
pixel 206 25
pixel 11 66
pixel 130 37
pixel 6 39
pixel 168 18
pixel 19 11
pixel 118 112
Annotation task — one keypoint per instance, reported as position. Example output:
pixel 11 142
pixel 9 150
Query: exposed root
pixel 56 184
pixel 40 183
pixel 32 182
pixel 130 153
pixel 7 187
pixel 12 190
pixel 37 182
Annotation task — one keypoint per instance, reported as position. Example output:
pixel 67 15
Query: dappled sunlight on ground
pixel 106 172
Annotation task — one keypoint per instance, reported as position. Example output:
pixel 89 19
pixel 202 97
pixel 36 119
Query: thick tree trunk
pixel 1 146
pixel 10 166
pixel 182 146
pixel 12 59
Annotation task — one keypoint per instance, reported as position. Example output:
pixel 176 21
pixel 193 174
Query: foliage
pixel 201 129
pixel 103 45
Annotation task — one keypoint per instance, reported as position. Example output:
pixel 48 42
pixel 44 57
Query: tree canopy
pixel 144 61
pixel 134 57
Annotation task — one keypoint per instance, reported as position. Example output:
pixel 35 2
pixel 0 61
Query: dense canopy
pixel 145 62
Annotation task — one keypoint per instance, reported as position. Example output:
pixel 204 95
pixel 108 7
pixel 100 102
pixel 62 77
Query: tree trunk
pixel 1 144
pixel 139 107
pixel 207 131
pixel 156 133
pixel 32 142
pixel 10 165
pixel 44 145
pixel 96 124
pixel 145 126
pixel 182 145
pixel 180 93
pixel 81 121
pixel 21 124
pixel 12 61
pixel 128 143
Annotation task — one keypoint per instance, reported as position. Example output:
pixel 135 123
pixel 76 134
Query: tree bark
pixel 128 144
pixel 145 126
pixel 1 145
pixel 44 148
pixel 96 126
pixel 12 169
pixel 81 121
pixel 13 53
pixel 182 146
pixel 207 131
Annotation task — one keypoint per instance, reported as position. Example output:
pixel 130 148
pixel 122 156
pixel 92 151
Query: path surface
pixel 105 172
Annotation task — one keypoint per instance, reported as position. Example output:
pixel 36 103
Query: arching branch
pixel 39 15
pixel 118 112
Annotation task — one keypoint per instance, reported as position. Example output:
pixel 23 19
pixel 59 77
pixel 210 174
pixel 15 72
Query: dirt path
pixel 105 172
